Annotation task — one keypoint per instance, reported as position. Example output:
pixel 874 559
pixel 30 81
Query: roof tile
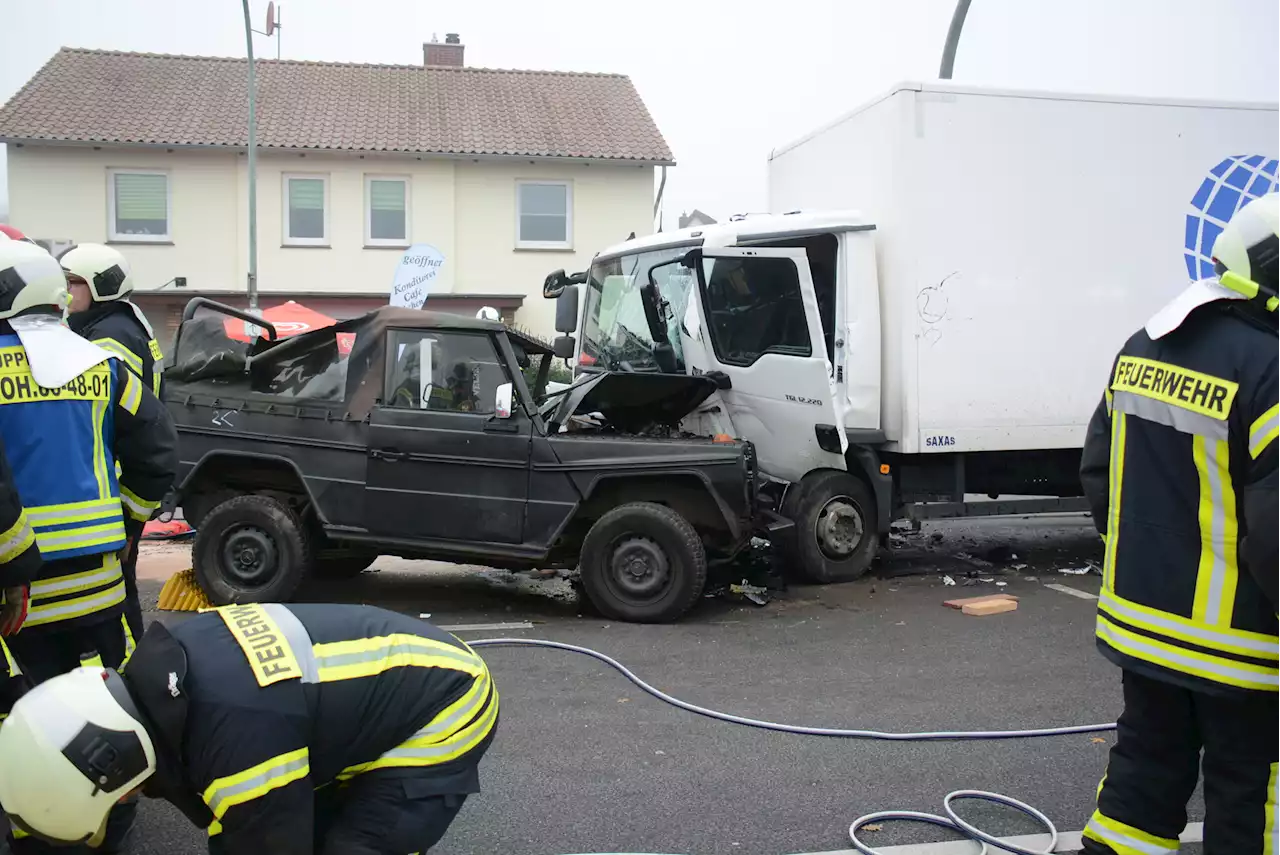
pixel 115 97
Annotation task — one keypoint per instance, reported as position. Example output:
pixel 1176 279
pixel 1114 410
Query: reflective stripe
pixel 1125 839
pixel 1115 485
pixel 94 660
pixel 11 664
pixel 1203 665
pixel 76 608
pixel 1270 831
pixel 100 449
pixel 365 657
pixel 126 355
pixel 107 574
pixel 1227 639
pixel 1264 431
pixel 129 644
pixel 1218 573
pixel 1178 418
pixel 65 540
pixel 138 508
pixel 47 515
pixel 17 539
pixel 255 782
pixel 131 395
pixel 297 637
pixel 434 751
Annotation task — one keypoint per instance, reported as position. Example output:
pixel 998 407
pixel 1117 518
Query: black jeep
pixel 427 435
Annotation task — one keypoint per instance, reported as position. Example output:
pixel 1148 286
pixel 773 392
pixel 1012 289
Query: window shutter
pixel 306 194
pixel 141 197
pixel 386 195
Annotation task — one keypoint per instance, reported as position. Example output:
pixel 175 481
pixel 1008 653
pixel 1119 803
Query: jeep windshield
pixel 615 334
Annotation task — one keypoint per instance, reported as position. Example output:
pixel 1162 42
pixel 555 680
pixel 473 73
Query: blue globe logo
pixel 1228 187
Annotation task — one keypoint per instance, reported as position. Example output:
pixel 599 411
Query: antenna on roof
pixel 273 25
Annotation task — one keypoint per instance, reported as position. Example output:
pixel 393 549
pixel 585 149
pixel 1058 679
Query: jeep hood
pixel 633 402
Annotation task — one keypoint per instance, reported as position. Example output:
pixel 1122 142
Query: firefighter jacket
pixel 1179 467
pixel 118 326
pixel 63 445
pixel 254 707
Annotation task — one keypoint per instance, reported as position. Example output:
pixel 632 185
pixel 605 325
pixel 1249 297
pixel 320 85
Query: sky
pixel 726 80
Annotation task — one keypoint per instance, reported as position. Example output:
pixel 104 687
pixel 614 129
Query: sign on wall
pixel 417 274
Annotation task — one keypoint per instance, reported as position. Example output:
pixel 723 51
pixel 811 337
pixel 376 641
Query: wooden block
pixel 992 607
pixel 963 601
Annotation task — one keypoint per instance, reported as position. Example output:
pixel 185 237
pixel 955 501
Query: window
pixel 306 210
pixel 457 372
pixel 754 307
pixel 138 205
pixel 544 215
pixel 386 211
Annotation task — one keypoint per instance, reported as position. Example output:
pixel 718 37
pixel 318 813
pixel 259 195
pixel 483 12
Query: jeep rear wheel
pixel 251 549
pixel 835 516
pixel 643 562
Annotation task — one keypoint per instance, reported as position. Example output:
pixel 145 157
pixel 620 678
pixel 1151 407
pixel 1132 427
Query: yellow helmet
pixel 1246 255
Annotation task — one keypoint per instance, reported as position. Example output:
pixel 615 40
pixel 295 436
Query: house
pixel 509 174
pixel 694 219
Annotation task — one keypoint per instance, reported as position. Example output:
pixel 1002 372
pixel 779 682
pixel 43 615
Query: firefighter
pixel 101 311
pixel 283 729
pixel 68 412
pixel 1179 467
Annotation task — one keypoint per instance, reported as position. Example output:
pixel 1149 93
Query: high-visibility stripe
pixel 126 355
pixel 1270 830
pixel 129 644
pixel 85 537
pixel 1206 666
pixel 100 449
pixel 297 640
pixel 107 574
pixel 17 539
pixel 131 394
pixel 11 664
pixel 255 782
pixel 1179 418
pixel 76 608
pixel 1174 385
pixel 366 657
pixel 1126 839
pixel 1115 485
pixel 138 508
pixel 1264 431
pixel 1218 572
pixel 1256 645
pixel 73 512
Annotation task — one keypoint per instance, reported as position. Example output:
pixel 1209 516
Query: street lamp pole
pixel 253 165
pixel 953 39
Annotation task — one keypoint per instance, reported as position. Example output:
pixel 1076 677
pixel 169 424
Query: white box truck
pixel 935 306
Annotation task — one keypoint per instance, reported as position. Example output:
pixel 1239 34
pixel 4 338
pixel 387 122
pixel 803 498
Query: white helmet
pixel 103 268
pixel 81 748
pixel 1247 254
pixel 29 278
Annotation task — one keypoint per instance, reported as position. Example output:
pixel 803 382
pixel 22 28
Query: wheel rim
pixel 838 528
pixel 249 556
pixel 639 570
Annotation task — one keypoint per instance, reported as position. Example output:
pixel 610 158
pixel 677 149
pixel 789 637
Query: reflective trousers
pixel 1157 760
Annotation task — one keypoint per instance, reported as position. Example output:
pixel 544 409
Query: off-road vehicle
pixel 426 435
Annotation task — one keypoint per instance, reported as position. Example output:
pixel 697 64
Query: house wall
pixel 465 208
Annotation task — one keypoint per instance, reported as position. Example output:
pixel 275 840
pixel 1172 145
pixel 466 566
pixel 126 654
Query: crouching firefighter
pixel 68 412
pixel 283 729
pixel 1179 466
pixel 100 283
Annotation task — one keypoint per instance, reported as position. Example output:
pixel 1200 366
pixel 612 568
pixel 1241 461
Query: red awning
pixel 289 319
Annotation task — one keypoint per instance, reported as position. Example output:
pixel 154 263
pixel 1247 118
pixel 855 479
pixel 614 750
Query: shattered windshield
pixel 615 335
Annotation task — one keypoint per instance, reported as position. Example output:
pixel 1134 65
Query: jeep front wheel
pixel 643 563
pixel 251 549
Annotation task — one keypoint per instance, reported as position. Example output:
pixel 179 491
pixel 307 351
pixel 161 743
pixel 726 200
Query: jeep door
pixel 440 465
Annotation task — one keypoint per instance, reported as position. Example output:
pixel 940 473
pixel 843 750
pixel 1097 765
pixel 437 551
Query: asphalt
pixel 585 762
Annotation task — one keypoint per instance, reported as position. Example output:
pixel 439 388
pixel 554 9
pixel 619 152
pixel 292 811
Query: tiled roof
pixel 113 97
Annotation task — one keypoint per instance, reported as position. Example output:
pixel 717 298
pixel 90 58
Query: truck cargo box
pixel 1020 238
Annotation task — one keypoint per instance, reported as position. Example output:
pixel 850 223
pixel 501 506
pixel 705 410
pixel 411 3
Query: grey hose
pixel 951 821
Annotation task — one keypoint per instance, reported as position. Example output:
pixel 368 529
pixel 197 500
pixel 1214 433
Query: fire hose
pixel 951 821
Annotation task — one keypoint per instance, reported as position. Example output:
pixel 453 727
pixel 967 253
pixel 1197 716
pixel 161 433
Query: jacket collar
pixel 81 321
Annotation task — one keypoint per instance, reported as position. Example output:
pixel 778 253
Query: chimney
pixel 447 54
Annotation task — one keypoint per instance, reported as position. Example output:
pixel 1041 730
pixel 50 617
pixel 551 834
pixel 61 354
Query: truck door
pixel 759 324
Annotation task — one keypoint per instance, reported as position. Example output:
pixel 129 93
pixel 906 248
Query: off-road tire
pixel 252 520
pixel 807 504
pixel 652 530
pixel 341 563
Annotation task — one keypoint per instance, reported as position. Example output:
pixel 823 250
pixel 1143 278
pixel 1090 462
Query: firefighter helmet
pixel 29 279
pixel 1246 255
pixel 104 269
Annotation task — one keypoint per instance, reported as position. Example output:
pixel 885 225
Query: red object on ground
pixel 156 530
pixel 288 318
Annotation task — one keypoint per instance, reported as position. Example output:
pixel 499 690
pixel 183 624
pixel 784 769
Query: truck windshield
pixel 615 335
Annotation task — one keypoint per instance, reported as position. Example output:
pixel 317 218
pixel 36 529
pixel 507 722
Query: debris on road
pixel 991 607
pixel 753 593
pixel 947 580
pixel 971 601
pixel 1074 571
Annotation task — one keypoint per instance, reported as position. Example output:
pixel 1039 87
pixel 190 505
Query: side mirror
pixel 567 309
pixel 502 401
pixel 564 347
pixel 555 282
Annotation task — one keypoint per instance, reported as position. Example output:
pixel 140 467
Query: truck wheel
pixel 342 564
pixel 835 517
pixel 251 549
pixel 643 563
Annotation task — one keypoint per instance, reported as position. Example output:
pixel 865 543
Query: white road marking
pixel 1068 841
pixel 1067 589
pixel 486 627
